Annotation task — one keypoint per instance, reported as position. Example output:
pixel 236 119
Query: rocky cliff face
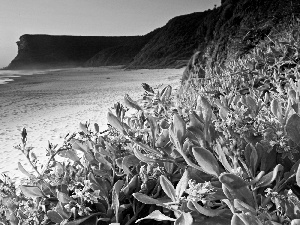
pixel 49 51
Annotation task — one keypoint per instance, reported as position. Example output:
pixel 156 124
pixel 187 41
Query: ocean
pixel 9 75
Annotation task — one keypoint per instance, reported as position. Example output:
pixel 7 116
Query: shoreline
pixel 53 104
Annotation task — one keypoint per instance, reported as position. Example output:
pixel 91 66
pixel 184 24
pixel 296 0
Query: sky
pixel 87 18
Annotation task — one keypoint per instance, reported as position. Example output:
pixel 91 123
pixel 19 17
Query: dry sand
pixel 51 105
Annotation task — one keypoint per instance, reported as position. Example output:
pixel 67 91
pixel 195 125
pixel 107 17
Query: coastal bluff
pixel 217 35
pixel 55 51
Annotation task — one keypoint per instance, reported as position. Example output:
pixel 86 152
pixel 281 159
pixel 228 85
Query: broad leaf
pixel 158 216
pixel 130 103
pixel 115 122
pixel 166 93
pixel 295 222
pixel 62 211
pixel 21 168
pixel 115 197
pixel 148 200
pixel 235 187
pixel 143 157
pixel 292 128
pixel 298 176
pixel 128 161
pixel 182 184
pixel 184 219
pixel 207 161
pixel 153 127
pixel 222 157
pixel 168 187
pixel 270 177
pixel 83 128
pixel 235 220
pixel 64 198
pixel 179 128
pixel 242 206
pixel 31 191
pixel 70 154
pixel 163 138
pixel 88 220
pixel 54 216
pixel 206 211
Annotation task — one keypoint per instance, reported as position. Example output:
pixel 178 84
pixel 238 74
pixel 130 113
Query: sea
pixel 9 75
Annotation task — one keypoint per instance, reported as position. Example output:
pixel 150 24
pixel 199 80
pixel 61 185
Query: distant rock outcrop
pixel 51 51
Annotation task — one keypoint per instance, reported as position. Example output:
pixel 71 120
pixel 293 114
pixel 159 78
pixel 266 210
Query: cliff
pixel 50 51
pixel 218 35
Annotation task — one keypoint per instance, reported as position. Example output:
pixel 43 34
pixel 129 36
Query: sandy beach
pixel 51 105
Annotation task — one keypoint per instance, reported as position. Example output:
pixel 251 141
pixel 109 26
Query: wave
pixel 8 75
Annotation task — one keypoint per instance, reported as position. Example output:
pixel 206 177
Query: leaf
pixel 84 128
pixel 148 200
pixel 206 211
pixel 235 220
pixel 195 121
pixel 88 220
pixel 242 206
pixel 115 122
pixel 60 209
pixel 153 127
pixel 249 219
pixel 298 176
pixel 142 157
pixel 179 128
pixel 232 180
pixel 222 157
pixel 130 103
pixel 77 145
pixel 21 168
pixel 115 197
pixel 101 159
pixel 269 177
pixel 96 126
pixel 168 187
pixel 54 216
pixel 251 103
pixel 131 186
pixel 128 161
pixel 223 112
pixel 163 138
pixel 206 160
pixel 64 198
pixel 292 128
pixel 70 154
pixel 156 215
pixel 251 157
pixel 182 184
pixel 295 222
pixel 166 93
pixel 276 109
pixel 184 219
pixel 31 191
pixel 235 187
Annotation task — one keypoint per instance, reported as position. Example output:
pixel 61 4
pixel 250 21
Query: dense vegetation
pixel 222 150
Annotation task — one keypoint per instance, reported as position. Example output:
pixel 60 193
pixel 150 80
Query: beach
pixel 53 104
